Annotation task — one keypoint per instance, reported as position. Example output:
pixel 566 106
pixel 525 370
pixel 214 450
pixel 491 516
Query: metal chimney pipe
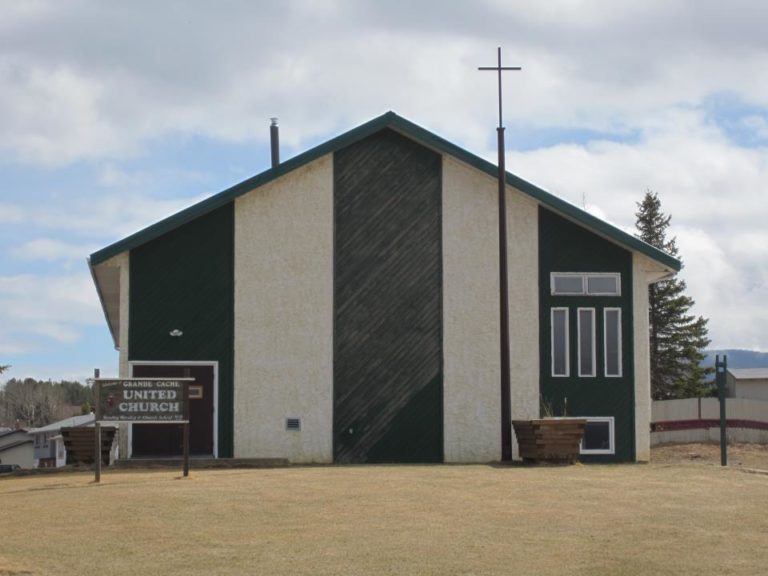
pixel 274 140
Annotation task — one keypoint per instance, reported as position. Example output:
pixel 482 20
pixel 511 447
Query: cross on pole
pixel 499 68
pixel 506 408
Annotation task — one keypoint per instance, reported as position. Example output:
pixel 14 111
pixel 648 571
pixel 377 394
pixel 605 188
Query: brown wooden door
pixel 153 440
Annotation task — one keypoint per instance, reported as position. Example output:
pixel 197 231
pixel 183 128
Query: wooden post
pixel 97 428
pixel 187 374
pixel 186 448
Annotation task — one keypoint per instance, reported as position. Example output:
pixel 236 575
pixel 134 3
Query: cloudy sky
pixel 116 114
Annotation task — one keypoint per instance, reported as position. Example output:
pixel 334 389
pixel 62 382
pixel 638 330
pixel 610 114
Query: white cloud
pixel 758 125
pixel 15 347
pixel 714 192
pixel 52 116
pixel 55 307
pixel 110 215
pixel 111 175
pixel 11 214
pixel 78 85
pixel 52 250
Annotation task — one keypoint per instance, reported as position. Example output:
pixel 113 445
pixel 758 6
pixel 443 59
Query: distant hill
pixel 738 358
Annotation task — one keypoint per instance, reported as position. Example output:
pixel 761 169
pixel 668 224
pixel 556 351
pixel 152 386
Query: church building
pixel 343 306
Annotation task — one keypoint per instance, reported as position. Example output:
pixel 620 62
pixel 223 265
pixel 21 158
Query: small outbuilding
pixel 749 383
pixel 343 306
pixel 16 448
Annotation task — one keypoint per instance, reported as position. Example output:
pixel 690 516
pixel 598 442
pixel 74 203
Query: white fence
pixel 698 420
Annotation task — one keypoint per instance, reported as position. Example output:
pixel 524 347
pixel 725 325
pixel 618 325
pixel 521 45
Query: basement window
pixel 599 436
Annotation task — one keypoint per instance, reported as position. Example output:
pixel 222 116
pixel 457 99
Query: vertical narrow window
pixel 560 356
pixel 612 335
pixel 586 321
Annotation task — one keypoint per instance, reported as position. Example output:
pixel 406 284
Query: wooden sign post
pixel 143 400
pixel 96 431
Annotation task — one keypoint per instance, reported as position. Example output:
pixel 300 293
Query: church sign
pixel 143 400
pixel 146 400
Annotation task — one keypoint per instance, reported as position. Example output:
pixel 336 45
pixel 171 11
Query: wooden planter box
pixel 550 439
pixel 79 443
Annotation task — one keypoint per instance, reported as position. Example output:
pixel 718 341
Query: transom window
pixel 599 436
pixel 585 283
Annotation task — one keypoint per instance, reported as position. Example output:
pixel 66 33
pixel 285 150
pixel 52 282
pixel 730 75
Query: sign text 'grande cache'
pixel 142 399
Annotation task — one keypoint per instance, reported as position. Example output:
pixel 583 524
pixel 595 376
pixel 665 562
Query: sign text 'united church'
pixel 142 400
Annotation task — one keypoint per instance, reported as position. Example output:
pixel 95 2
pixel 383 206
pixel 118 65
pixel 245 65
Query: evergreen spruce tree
pixel 677 338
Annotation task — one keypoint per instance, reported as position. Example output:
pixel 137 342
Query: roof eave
pixel 552 201
pixel 100 292
pixel 220 199
pixel 411 130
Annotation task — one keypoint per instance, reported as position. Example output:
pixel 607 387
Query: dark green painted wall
pixel 185 279
pixel 388 379
pixel 567 247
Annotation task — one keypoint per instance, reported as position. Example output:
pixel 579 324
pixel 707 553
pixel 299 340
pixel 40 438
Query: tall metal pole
pixel 506 406
pixel 720 369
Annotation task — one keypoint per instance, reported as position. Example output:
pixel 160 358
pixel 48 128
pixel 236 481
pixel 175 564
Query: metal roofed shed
pixel 747 383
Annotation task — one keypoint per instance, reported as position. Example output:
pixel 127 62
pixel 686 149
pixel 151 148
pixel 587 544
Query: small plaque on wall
pixel 195 392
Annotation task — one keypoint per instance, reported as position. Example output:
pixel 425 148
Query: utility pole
pixel 506 409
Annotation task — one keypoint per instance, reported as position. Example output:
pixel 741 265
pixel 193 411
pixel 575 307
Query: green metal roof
pixel 407 128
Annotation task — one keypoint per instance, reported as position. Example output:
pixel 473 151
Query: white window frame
pixel 611 435
pixel 583 374
pixel 605 343
pixel 567 341
pixel 212 363
pixel 585 276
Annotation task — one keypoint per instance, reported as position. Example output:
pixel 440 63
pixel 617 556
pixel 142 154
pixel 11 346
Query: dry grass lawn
pixel 754 456
pixel 442 520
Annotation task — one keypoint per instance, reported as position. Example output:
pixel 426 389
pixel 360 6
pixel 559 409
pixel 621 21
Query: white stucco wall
pixel 523 251
pixel 471 371
pixel 122 261
pixel 644 270
pixel 284 316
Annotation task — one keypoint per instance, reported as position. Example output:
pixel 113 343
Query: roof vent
pixel 293 424
pixel 274 141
